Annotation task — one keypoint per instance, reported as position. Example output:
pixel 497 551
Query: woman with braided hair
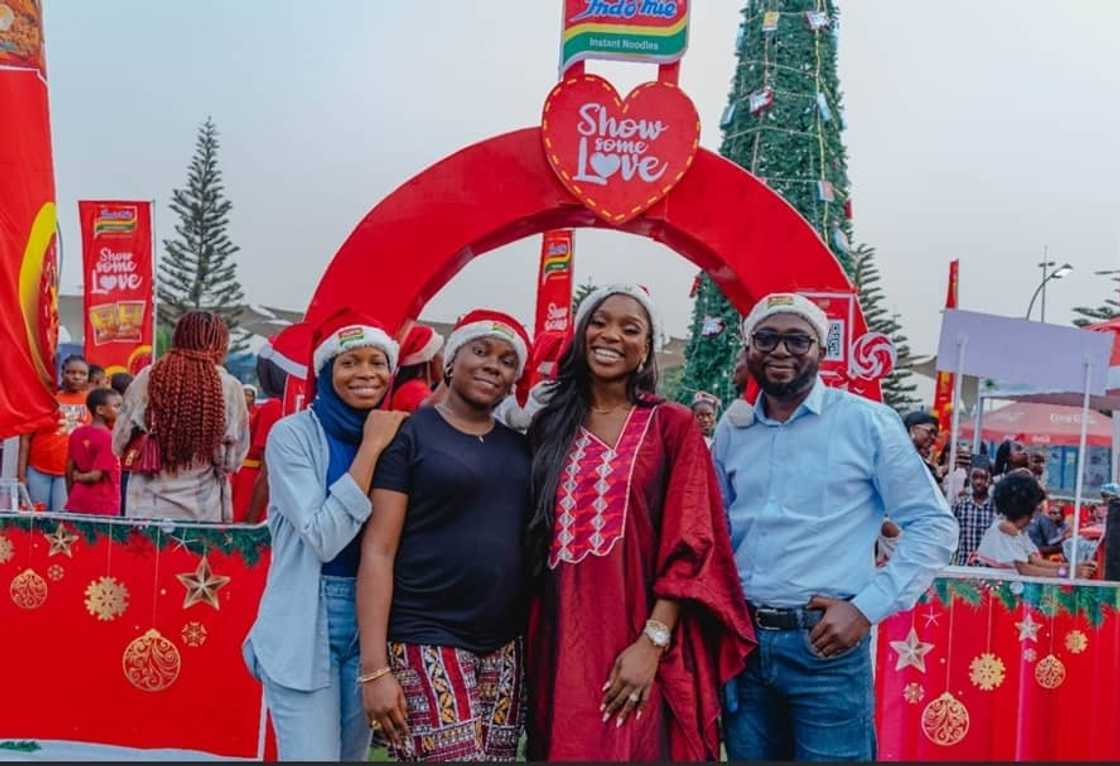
pixel 195 411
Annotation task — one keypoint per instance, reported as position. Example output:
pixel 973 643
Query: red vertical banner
pixel 554 283
pixel 117 277
pixel 28 245
pixel 943 394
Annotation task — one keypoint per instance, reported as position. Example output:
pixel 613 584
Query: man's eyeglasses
pixel 795 342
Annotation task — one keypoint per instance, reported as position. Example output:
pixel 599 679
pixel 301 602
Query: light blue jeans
pixel 792 704
pixel 325 724
pixel 46 488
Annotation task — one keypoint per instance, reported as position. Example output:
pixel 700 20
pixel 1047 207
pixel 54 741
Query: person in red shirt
pixel 93 472
pixel 42 455
pixel 421 368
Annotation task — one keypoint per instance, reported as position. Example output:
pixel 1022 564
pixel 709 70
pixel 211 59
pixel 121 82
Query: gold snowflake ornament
pixel 1076 642
pixel 1030 655
pixel 914 693
pixel 6 550
pixel 55 572
pixel 986 672
pixel 194 634
pixel 106 598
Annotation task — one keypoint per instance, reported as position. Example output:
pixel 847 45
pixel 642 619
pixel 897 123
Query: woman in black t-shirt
pixel 441 589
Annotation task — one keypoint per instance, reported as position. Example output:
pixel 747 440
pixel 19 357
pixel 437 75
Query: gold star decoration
pixel 911 652
pixel 202 585
pixel 1028 629
pixel 6 550
pixel 986 671
pixel 62 541
pixel 1076 641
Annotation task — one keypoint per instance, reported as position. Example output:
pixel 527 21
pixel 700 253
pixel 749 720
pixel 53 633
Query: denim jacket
pixel 310 525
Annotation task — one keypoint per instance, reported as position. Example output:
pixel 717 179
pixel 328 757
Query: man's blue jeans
pixel 790 703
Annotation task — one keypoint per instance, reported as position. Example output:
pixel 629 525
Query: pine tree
pixel 580 293
pixel 782 123
pixel 898 390
pixel 198 270
pixel 1109 310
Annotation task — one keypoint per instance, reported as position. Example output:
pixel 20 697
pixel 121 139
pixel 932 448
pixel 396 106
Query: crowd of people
pixel 477 538
pixel 1007 519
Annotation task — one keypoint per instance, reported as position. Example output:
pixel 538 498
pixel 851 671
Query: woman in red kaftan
pixel 630 538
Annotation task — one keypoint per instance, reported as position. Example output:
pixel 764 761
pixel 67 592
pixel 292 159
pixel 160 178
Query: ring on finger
pixel 634 697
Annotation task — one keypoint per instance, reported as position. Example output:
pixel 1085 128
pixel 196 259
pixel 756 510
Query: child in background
pixel 42 455
pixel 93 472
pixel 1006 545
pixel 97 377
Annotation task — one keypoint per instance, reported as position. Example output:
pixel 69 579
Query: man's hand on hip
pixel 841 627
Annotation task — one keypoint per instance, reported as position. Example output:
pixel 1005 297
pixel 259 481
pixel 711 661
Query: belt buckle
pixel 761 613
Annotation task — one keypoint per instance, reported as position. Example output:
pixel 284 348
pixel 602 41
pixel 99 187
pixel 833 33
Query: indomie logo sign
pixel 653 31
pixel 115 221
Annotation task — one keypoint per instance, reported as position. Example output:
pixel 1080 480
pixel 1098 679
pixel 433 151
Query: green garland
pixel 247 543
pixel 1051 599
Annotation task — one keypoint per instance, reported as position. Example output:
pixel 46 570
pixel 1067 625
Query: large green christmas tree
pixel 783 123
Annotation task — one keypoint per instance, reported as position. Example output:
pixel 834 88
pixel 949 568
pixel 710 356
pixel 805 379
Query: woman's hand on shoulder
pixel 381 426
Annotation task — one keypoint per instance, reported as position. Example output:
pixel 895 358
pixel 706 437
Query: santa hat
pixel 346 330
pixel 484 323
pixel 787 303
pixel 703 397
pixel 638 293
pixel 420 345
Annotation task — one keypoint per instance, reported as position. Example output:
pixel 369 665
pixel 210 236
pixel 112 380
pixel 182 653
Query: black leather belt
pixel 773 618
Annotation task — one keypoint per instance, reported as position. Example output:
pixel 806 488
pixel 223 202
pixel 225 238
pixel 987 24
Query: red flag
pixel 554 282
pixel 28 245
pixel 943 394
pixel 117 278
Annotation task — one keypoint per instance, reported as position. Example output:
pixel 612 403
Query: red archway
pixel 719 216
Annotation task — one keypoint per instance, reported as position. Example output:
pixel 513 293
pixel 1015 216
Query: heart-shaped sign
pixel 619 157
pixel 107 282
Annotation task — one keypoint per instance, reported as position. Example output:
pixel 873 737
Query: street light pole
pixel 1049 276
pixel 1044 264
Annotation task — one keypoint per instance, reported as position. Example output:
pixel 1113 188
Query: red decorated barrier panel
pixel 129 634
pixel 1001 669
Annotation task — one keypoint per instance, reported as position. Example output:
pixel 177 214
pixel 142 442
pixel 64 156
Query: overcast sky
pixel 976 130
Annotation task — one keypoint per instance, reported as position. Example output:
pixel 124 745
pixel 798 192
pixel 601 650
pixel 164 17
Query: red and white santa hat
pixel 639 293
pixel 346 330
pixel 421 345
pixel 485 323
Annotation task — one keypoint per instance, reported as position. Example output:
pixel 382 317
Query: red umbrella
pixel 1043 425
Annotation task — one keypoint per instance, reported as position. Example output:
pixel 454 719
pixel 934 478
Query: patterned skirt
pixel 461 706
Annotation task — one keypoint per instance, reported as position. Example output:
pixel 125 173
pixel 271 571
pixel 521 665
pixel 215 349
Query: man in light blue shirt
pixel 808 475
